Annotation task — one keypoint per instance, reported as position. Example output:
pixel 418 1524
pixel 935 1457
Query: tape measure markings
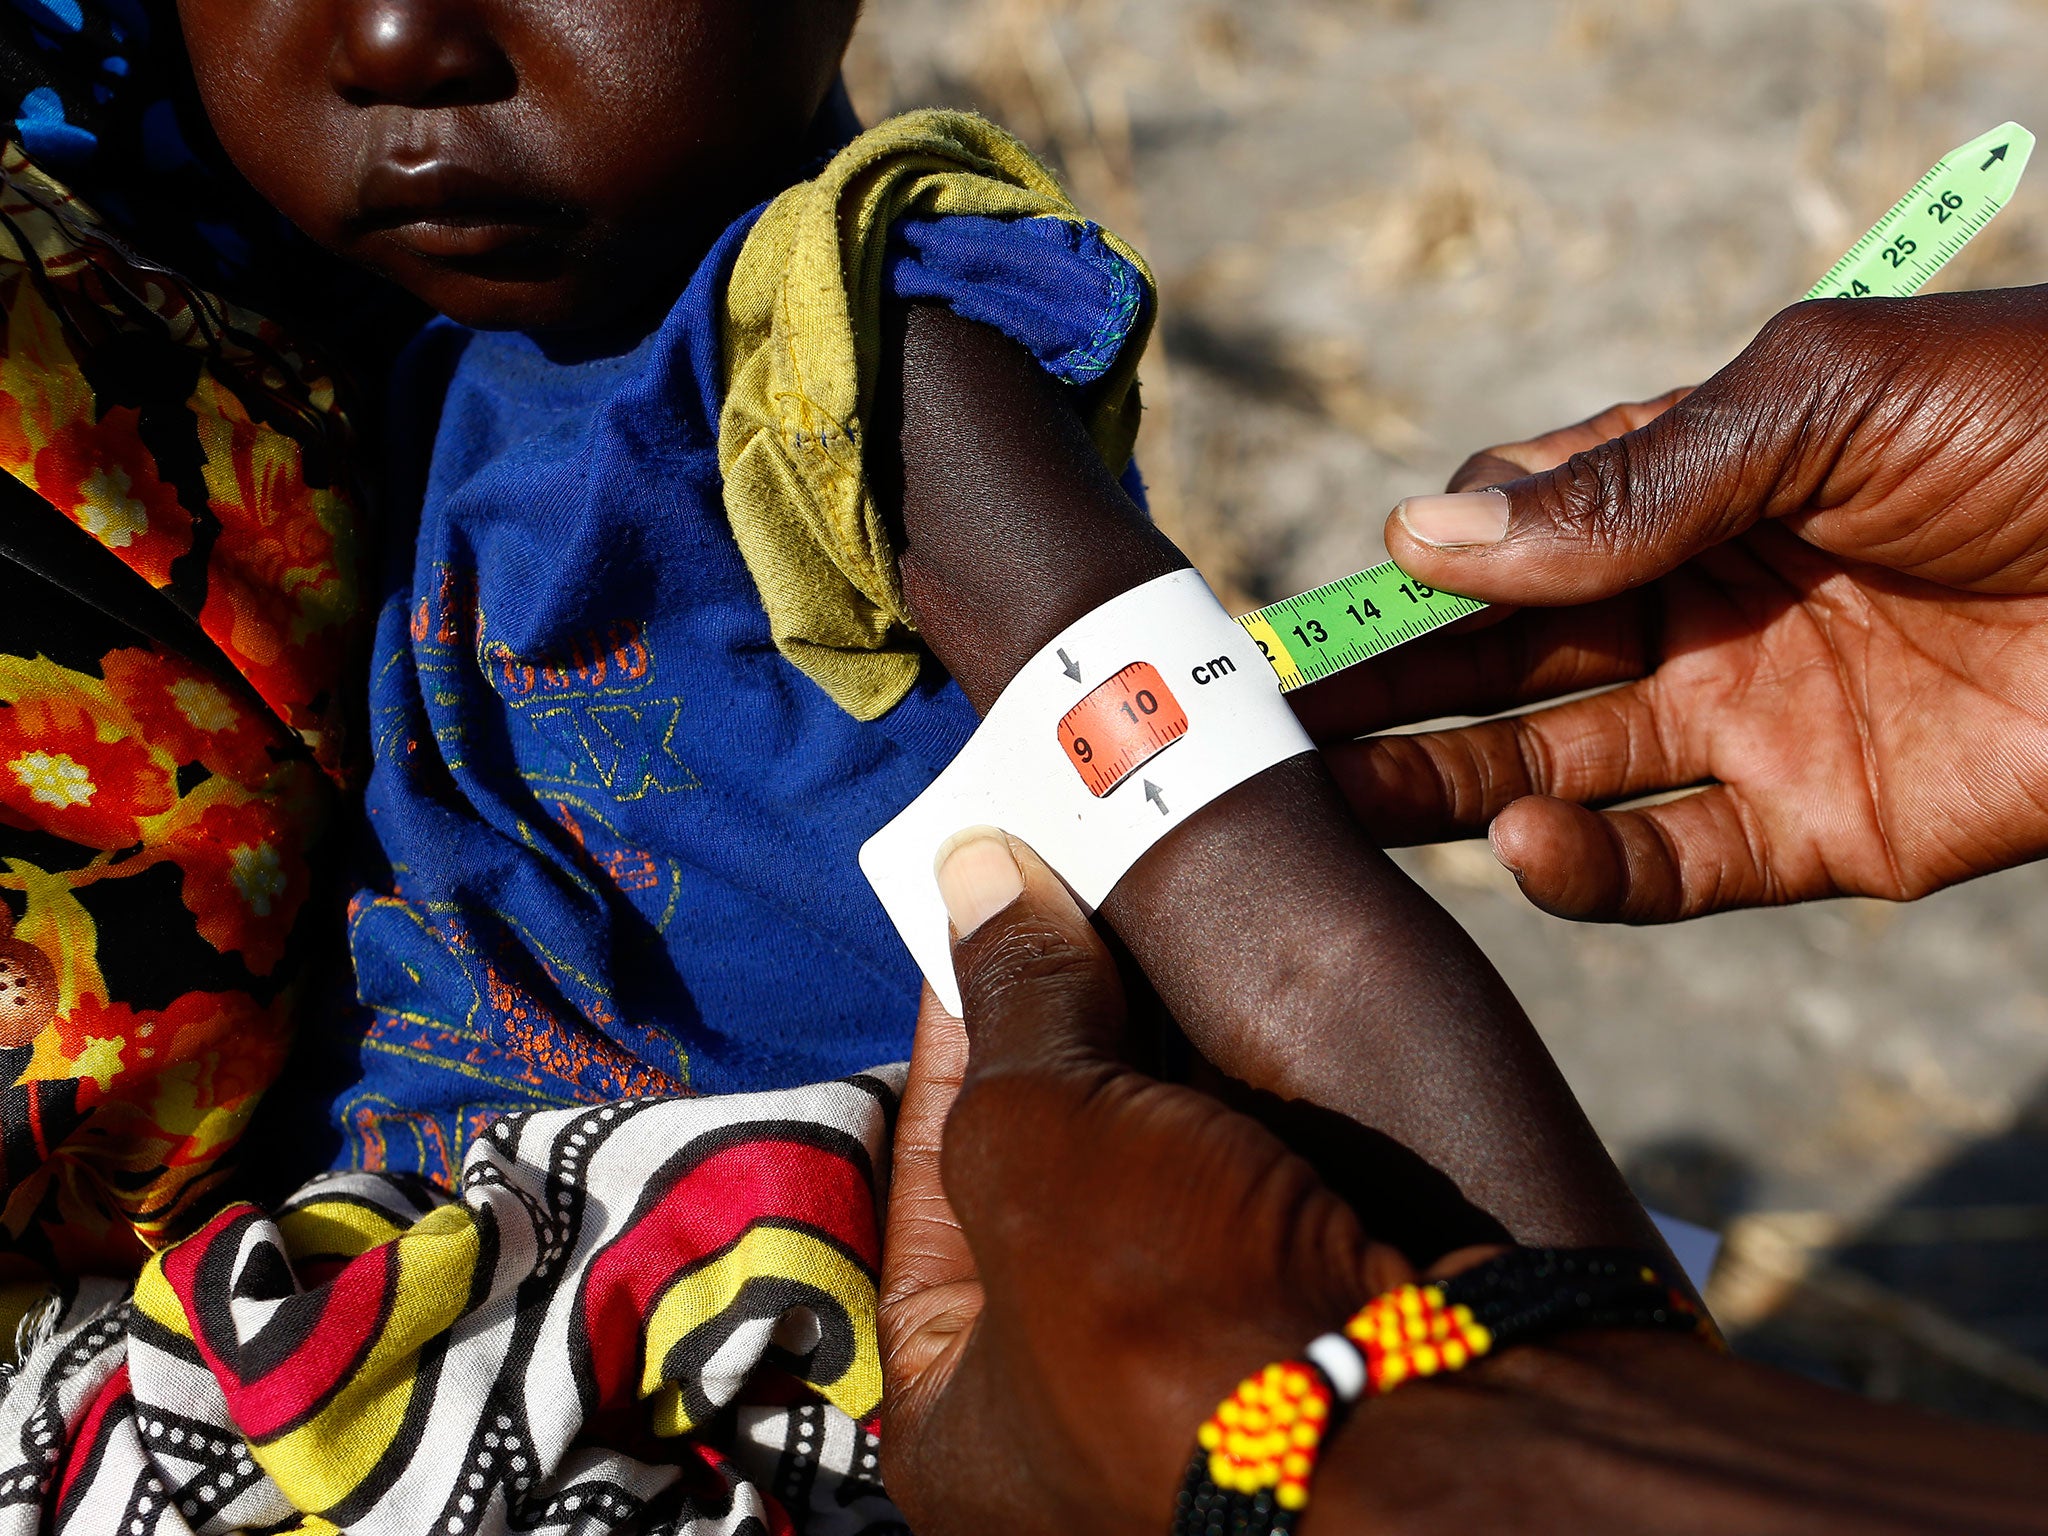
pixel 1203 717
pixel 1963 193
pixel 1122 725
pixel 1227 725
pixel 1319 633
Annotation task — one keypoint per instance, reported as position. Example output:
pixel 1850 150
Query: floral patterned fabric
pixel 648 1316
pixel 654 1317
pixel 159 805
pixel 188 437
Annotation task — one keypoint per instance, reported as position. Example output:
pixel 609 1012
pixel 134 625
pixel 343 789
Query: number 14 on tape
pixel 1320 633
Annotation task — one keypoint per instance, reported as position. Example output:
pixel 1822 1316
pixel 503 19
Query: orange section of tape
pixel 1122 725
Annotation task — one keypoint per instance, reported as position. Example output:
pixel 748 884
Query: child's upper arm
pixel 1341 987
pixel 1009 524
pixel 902 475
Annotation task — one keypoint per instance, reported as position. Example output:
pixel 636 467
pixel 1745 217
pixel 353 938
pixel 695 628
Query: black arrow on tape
pixel 1070 667
pixel 1997 155
pixel 1152 794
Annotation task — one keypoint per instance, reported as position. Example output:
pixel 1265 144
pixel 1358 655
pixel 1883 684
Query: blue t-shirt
pixel 617 830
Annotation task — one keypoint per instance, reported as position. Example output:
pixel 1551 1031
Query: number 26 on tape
pixel 1123 724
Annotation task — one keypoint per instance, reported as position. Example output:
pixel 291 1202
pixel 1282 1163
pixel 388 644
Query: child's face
pixel 532 164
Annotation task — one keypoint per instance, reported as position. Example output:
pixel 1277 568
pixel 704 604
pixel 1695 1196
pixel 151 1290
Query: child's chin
pixel 506 306
pixel 516 290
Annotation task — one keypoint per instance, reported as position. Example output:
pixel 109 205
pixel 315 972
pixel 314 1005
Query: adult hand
pixel 1107 1256
pixel 1082 1261
pixel 1821 579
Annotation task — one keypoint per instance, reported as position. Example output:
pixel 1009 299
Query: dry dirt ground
pixel 1389 232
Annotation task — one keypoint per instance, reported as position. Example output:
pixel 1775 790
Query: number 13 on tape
pixel 1228 722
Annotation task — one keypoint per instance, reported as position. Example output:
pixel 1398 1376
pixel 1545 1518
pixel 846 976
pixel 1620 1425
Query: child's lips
pixel 444 212
pixel 451 237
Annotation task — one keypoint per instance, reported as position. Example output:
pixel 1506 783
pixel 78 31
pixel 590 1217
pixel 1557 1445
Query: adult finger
pixel 1476 666
pixel 1753 442
pixel 1437 785
pixel 1703 853
pixel 1542 653
pixel 1038 986
pixel 930 1290
pixel 1512 461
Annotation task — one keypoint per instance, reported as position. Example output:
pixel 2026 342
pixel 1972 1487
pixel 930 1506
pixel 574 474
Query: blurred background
pixel 1390 232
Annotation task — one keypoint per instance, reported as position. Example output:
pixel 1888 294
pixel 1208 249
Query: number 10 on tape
pixel 1121 726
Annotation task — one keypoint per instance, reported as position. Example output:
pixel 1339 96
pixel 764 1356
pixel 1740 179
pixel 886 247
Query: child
pixel 620 829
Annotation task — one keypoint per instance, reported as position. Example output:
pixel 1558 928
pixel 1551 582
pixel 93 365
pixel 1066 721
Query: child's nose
pixel 419 53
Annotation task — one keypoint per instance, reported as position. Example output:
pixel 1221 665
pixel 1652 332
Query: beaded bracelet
pixel 1255 1455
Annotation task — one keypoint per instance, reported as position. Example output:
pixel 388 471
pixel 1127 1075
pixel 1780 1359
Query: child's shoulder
pixel 932 206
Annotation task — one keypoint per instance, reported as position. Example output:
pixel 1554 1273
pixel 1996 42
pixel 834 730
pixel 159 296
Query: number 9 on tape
pixel 1120 726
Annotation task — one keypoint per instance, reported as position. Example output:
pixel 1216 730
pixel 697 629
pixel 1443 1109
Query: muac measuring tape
pixel 1141 713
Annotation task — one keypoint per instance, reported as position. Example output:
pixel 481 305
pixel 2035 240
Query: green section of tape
pixel 1932 223
pixel 1349 621
pixel 1320 633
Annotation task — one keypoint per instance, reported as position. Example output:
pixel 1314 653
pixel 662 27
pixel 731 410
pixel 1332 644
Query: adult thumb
pixel 1612 516
pixel 1037 984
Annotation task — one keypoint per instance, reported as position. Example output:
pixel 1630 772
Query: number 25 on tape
pixel 1122 725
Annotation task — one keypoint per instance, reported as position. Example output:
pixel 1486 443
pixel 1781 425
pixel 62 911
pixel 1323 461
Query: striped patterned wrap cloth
pixel 647 1317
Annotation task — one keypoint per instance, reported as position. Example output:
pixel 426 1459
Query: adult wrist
pixel 1454 1454
pixel 1258 1456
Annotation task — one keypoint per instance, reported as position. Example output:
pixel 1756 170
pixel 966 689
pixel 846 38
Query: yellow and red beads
pixel 1266 1434
pixel 1410 1331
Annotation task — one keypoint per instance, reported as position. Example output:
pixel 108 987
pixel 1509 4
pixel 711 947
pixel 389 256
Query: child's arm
pixel 1346 987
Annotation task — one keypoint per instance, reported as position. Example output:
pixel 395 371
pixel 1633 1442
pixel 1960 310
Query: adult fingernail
pixel 1456 522
pixel 1501 855
pixel 978 877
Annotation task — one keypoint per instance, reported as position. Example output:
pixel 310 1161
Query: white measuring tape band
pixel 1129 722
